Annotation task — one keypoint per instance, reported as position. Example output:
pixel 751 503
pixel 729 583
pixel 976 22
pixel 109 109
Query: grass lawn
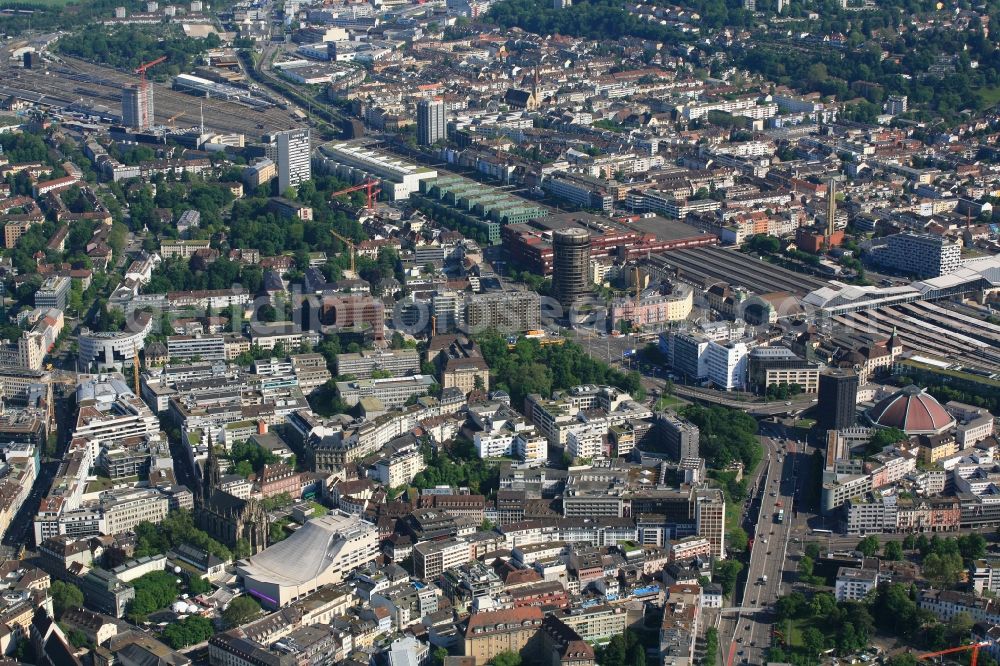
pixel 99 484
pixel 733 511
pixel 991 96
pixel 792 631
pixel 667 402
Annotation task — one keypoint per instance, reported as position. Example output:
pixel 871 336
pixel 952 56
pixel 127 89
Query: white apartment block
pixel 205 347
pixel 587 440
pixel 727 365
pixel 946 604
pixel 872 516
pixel 513 437
pixel 400 467
pixel 855 584
pixel 986 576
pixel 430 558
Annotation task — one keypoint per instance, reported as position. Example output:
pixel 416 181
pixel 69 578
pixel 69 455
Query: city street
pixel 745 635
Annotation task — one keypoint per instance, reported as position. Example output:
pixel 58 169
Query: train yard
pixel 705 266
pixel 76 84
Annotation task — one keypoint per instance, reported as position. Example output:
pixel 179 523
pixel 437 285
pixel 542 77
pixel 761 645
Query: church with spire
pixel 225 517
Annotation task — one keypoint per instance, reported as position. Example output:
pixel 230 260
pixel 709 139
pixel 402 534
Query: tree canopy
pixel 154 591
pixel 64 596
pixel 189 631
pixel 240 610
pixel 725 435
pixel 127 47
pixel 176 528
pixel 531 368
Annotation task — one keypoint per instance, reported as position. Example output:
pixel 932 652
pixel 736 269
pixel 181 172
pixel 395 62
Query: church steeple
pixel 212 475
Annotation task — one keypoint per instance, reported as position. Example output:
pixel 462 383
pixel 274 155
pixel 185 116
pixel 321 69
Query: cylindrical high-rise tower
pixel 571 261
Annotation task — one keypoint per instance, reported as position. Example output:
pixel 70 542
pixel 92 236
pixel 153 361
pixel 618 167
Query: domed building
pixel 913 411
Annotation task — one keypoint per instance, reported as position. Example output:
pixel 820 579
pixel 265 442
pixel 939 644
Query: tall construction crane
pixel 141 69
pixel 961 648
pixel 349 243
pixel 371 188
pixel 144 106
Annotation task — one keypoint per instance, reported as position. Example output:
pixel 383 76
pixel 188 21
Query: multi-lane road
pixel 744 635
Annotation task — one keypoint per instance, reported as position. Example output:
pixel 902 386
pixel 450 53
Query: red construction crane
pixel 145 107
pixel 961 648
pixel 141 69
pixel 370 186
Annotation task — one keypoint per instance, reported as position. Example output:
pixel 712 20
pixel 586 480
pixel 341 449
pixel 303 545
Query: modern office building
pixel 53 293
pixel 113 349
pixel 137 107
pixel 571 261
pixel 294 158
pixel 354 162
pixel 431 125
pixel 104 592
pixel 505 311
pixel 204 347
pixel 391 392
pixel 396 362
pixel 774 366
pixel 727 364
pixel 923 255
pixel 679 437
pixel 689 357
pixel 838 398
pixel 710 519
pixel 431 558
pixel 579 189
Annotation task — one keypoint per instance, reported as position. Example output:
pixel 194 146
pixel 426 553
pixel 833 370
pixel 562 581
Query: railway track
pixel 73 80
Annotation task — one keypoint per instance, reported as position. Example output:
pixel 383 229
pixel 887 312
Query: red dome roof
pixel 913 411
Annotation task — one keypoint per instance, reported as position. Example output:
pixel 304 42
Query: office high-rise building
pixel 570 263
pixel 924 255
pixel 679 437
pixel 137 107
pixel 505 311
pixel 838 398
pixel 294 158
pixel 431 125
